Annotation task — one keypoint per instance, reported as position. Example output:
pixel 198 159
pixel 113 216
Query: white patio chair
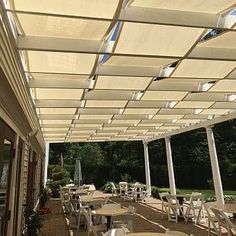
pixel 91 228
pixel 176 233
pixel 164 203
pixel 127 220
pixel 231 227
pixel 114 190
pixel 175 207
pixel 64 199
pixel 75 211
pixel 123 186
pixel 211 218
pixel 194 208
pixel 221 220
pixel 138 192
pixel 116 232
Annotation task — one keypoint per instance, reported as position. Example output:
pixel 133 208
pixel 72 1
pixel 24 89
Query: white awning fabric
pixel 110 70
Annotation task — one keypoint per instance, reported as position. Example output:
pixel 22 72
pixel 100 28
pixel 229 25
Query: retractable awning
pixel 110 70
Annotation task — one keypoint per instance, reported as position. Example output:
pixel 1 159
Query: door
pixel 30 200
pixel 17 188
pixel 7 139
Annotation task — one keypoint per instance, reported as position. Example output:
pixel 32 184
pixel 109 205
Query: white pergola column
pixel 215 166
pixel 46 163
pixel 147 168
pixel 170 166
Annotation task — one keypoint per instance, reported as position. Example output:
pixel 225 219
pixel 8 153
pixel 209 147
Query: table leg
pixel 109 222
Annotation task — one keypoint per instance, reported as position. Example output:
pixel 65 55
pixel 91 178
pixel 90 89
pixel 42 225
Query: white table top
pixel 110 211
pixel 146 234
pixel 88 198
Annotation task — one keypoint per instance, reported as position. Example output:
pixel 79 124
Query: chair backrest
pixel 196 199
pixel 106 200
pixel 172 200
pixel 88 220
pixel 113 185
pixel 74 205
pixel 230 225
pixel 112 205
pixel 163 196
pixel 220 215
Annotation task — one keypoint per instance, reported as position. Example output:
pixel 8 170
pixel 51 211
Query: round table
pixel 109 212
pixel 146 234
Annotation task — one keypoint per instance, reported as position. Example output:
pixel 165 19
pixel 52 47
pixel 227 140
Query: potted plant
pixel 34 224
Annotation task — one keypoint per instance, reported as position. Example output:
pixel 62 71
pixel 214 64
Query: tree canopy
pixel 116 161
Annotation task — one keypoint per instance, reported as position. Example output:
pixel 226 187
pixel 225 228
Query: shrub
pixel 107 188
pixel 155 192
pixel 227 198
pixel 59 177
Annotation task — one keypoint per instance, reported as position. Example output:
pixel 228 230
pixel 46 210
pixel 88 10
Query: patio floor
pixel 148 218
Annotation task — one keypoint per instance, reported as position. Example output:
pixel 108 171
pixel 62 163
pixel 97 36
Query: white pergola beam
pixel 56 83
pixel 37 43
pixel 46 163
pixel 215 166
pixel 127 71
pixel 170 166
pixel 214 53
pixel 207 123
pixel 147 168
pixel 169 17
pixel 153 16
pixel 51 103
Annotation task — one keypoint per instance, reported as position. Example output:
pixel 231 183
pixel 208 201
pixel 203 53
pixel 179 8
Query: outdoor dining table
pixel 146 234
pixel 88 199
pixel 109 212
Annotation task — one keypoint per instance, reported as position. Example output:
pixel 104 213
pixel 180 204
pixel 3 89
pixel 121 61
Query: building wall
pixel 17 110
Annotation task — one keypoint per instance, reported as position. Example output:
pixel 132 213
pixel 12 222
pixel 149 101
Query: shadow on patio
pixel 148 218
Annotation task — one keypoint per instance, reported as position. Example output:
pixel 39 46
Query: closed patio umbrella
pixel 78 173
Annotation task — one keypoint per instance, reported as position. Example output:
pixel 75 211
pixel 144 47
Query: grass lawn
pixel 207 192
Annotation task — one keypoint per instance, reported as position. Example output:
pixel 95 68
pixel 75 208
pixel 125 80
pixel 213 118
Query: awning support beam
pixel 215 166
pixel 147 168
pixel 170 166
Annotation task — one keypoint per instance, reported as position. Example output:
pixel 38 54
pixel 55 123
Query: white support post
pixel 215 166
pixel 170 166
pixel 147 168
pixel 46 163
